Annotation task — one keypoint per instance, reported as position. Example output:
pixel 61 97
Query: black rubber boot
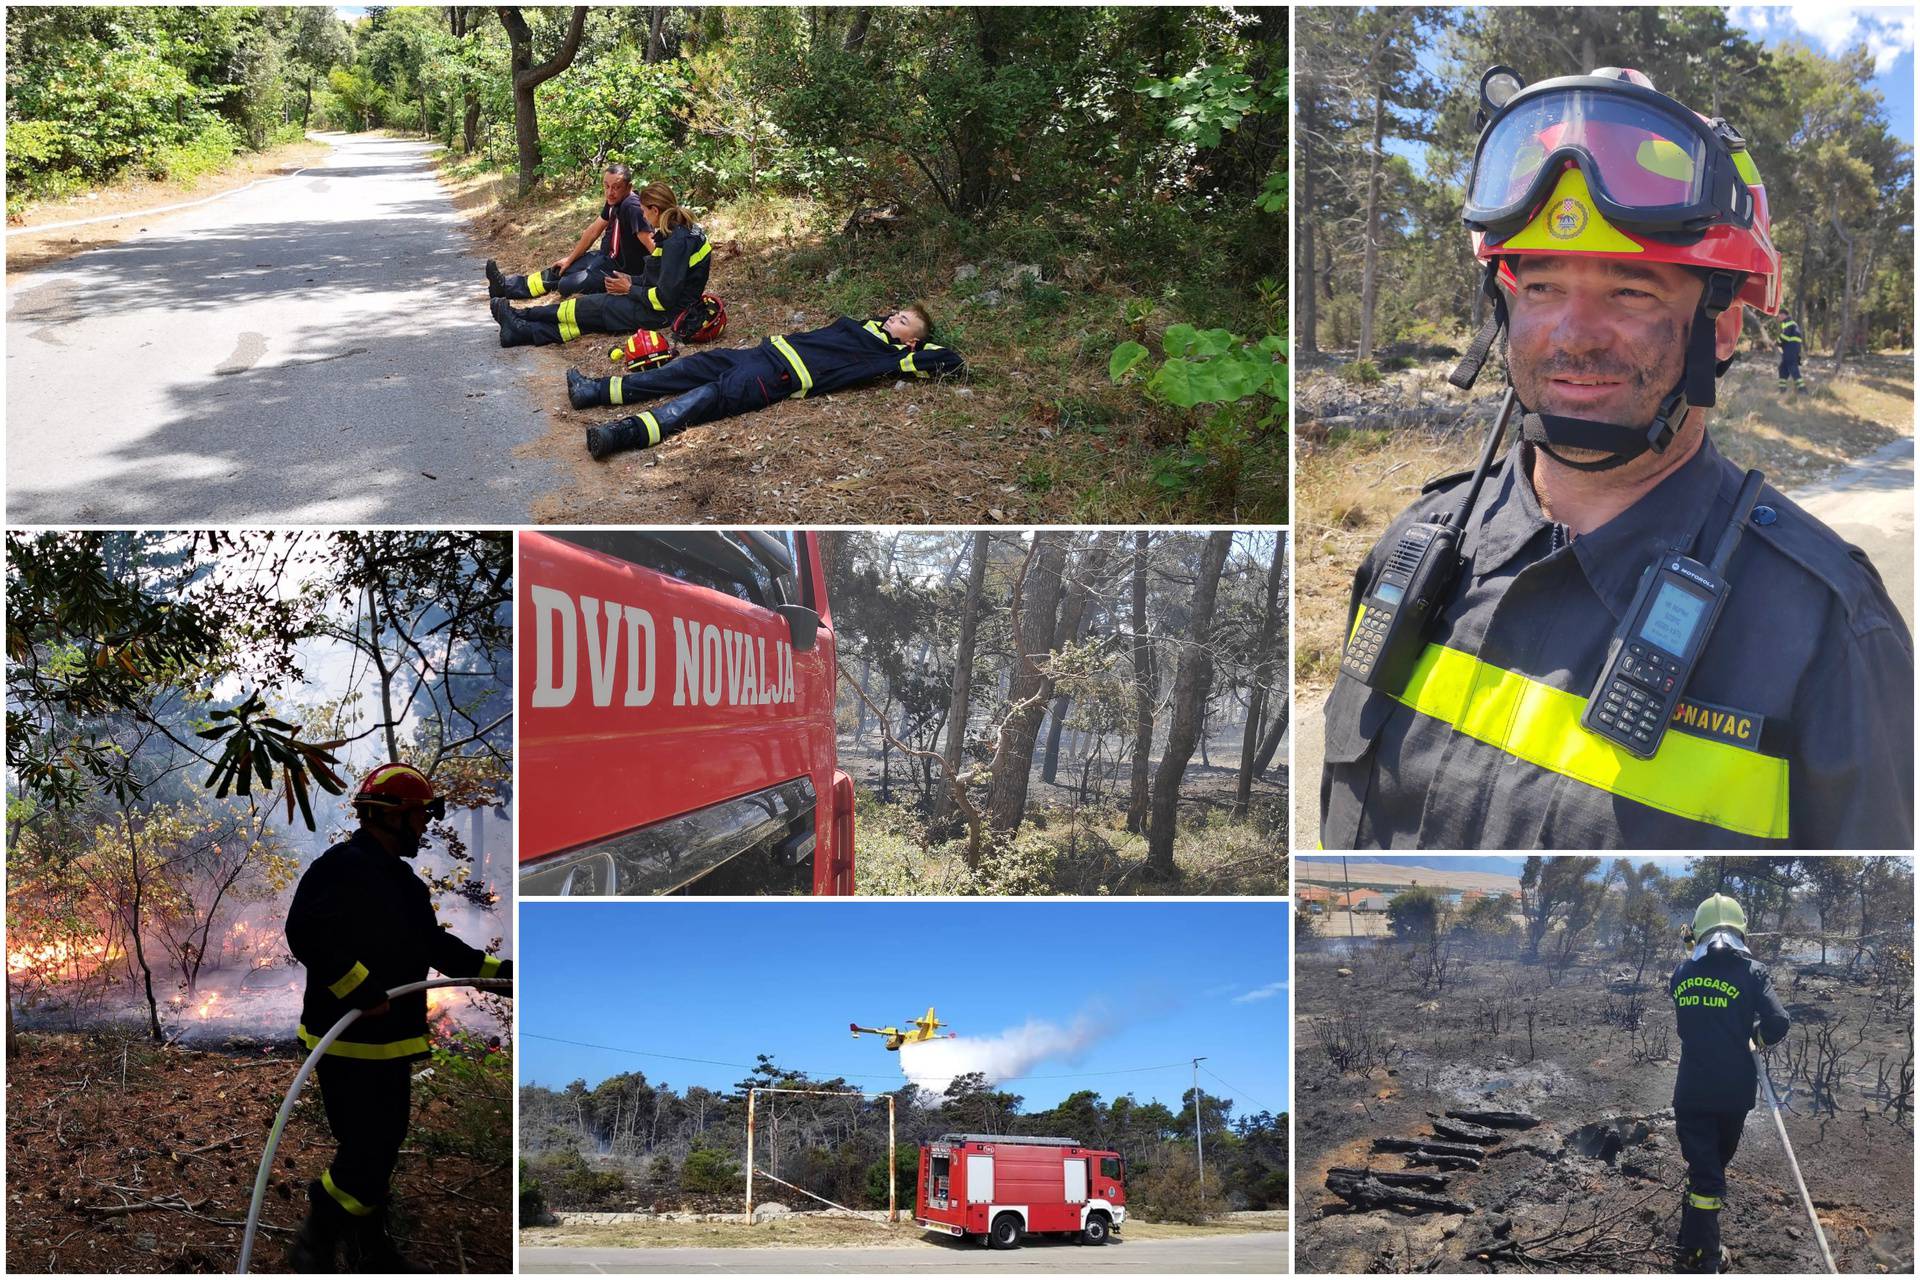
pixel 513 330
pixel 316 1245
pixel 647 429
pixel 496 282
pixel 584 392
pixel 371 1250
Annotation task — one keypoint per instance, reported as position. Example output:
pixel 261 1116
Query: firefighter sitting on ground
pixel 719 384
pixel 626 245
pixel 670 293
pixel 362 923
pixel 1790 344
pixel 1723 998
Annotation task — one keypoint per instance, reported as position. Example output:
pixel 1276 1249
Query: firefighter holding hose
pixel 1725 1004
pixel 362 923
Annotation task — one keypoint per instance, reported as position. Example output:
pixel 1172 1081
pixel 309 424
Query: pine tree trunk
pixel 1142 691
pixel 1263 672
pixel 958 707
pixel 1191 685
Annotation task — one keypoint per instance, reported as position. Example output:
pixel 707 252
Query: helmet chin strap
pixel 1623 444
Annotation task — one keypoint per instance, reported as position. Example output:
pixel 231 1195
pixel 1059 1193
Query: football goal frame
pixel 893 1200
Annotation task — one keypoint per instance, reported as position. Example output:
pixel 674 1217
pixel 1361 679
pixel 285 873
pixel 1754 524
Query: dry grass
pixel 133 197
pixel 1352 484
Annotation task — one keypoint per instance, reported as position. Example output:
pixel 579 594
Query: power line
pixel 1239 1091
pixel 839 1075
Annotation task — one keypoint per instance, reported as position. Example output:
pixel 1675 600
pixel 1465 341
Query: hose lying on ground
pixel 1780 1126
pixel 299 1082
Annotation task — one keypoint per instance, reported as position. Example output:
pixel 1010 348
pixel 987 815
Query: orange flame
pixel 47 957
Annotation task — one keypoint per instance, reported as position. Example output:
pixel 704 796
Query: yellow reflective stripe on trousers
pixel 569 327
pixel 653 429
pixel 653 300
pixel 1699 1201
pixel 613 390
pixel 489 966
pixel 1697 778
pixel 353 978
pixel 535 285
pixel 785 348
pixel 367 1052
pixel 700 254
pixel 345 1199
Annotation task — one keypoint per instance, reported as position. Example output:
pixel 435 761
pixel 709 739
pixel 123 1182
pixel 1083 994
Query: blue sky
pixel 1126 992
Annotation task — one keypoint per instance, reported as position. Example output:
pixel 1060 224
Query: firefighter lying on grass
pixel 719 384
pixel 671 293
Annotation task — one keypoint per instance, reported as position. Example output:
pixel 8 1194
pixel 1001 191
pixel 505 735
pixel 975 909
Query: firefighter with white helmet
pixel 363 923
pixel 1724 1003
pixel 1621 236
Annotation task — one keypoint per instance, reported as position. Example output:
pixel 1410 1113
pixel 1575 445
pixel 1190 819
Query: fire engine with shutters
pixel 677 716
pixel 1003 1188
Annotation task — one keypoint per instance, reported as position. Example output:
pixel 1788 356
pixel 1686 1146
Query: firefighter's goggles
pixel 1653 167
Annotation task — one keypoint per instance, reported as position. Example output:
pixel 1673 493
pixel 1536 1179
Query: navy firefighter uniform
pixel 1796 730
pixel 362 923
pixel 720 384
pixel 1722 999
pixel 625 246
pixel 666 293
pixel 1790 344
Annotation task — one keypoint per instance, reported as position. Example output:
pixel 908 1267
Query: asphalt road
pixel 311 350
pixel 1870 504
pixel 1256 1253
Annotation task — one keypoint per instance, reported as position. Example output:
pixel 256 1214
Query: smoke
pixel 933 1064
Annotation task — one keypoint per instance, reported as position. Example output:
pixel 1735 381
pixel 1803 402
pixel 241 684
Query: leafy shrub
pixel 710 1172
pixel 533 1199
pixel 1362 373
pixel 1171 1191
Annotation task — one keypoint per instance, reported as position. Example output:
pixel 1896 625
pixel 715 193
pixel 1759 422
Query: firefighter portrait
pixel 1726 1009
pixel 363 923
pixel 626 245
pixel 1605 636
pixel 668 293
pixel 719 384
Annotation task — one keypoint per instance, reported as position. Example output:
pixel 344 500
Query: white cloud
pixel 1267 992
pixel 1834 29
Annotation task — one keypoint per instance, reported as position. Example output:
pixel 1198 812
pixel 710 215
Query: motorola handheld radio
pixel 1654 649
pixel 1398 610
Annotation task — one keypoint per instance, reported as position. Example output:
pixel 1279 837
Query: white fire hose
pixel 1780 1127
pixel 299 1082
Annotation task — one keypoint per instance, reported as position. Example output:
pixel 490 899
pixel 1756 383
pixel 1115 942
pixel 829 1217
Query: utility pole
pixel 1345 875
pixel 1199 1152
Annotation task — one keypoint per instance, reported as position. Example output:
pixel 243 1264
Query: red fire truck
pixel 677 716
pixel 1001 1188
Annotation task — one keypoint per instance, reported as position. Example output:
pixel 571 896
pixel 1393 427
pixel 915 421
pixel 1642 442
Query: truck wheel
pixel 1097 1229
pixel 1006 1232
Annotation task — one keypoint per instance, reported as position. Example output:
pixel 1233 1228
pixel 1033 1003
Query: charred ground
pixel 1596 1185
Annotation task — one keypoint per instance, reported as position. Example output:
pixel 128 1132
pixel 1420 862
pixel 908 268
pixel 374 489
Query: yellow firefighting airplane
pixel 926 1028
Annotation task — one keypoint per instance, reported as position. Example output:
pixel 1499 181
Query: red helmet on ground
pixel 704 330
pixel 644 350
pixel 399 786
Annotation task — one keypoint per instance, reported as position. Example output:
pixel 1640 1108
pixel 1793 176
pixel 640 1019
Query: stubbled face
pixel 905 326
pixel 615 186
pixel 1599 338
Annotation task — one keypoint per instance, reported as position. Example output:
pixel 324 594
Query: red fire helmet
pixel 716 320
pixel 644 350
pixel 399 786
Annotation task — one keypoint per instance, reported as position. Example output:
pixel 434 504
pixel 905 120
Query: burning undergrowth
pixel 1515 1118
